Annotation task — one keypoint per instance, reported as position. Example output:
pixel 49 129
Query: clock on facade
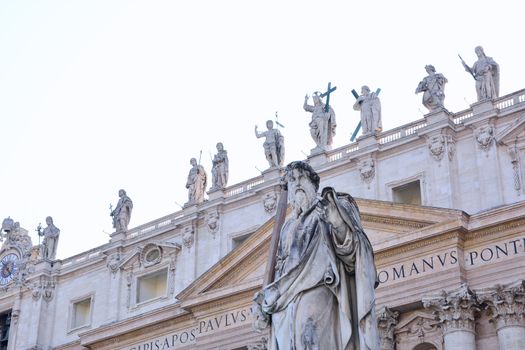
pixel 8 268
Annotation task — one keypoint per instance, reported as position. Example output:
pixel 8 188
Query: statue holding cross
pixel 370 106
pixel 322 126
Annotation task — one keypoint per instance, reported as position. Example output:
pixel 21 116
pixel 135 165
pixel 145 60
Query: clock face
pixel 8 267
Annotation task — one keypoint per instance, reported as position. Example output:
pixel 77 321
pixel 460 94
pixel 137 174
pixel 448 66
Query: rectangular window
pixel 81 313
pixel 152 286
pixel 409 193
pixel 5 323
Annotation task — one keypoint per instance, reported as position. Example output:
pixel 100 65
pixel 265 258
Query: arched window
pixel 425 346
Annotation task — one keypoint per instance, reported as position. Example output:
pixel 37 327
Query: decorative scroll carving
pixel 44 288
pixel 455 309
pixel 506 304
pixel 261 344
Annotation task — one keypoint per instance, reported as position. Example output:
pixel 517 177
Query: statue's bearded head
pixel 302 182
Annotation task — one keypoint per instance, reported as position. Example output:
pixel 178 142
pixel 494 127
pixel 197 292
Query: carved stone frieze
pixel 439 145
pixel 270 202
pixel 387 320
pixel 367 170
pixel 455 309
pixel 485 136
pixel 416 328
pixel 505 304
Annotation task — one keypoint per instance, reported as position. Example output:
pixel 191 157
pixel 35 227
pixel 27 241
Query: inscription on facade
pixel 447 259
pixel 191 335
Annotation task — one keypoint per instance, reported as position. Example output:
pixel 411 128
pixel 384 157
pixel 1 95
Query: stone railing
pixel 83 257
pixel 341 152
pixel 243 186
pixel 157 225
pixel 402 131
pixel 510 100
pixel 460 117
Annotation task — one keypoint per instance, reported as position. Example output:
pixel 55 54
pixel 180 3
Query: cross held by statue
pixel 329 90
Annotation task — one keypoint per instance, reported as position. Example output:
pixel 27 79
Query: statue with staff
pixel 122 212
pixel 273 144
pixel 486 73
pixel 196 183
pixel 318 290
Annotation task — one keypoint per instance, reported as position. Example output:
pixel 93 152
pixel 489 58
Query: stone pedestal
pixel 456 311
pixel 366 141
pixel 215 194
pixel 482 107
pixel 117 236
pixel 441 116
pixel 318 159
pixel 271 174
pixel 506 308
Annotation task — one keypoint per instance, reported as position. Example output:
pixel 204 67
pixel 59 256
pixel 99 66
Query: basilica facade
pixel 442 200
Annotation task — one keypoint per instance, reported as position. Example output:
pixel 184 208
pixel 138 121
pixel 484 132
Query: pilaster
pixel 387 320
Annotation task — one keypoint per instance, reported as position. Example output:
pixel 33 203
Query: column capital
pixel 455 309
pixel 505 303
pixel 386 321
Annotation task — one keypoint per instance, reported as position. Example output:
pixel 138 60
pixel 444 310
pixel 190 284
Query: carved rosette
pixel 485 136
pixel 386 321
pixel 367 170
pixel 506 304
pixel 440 145
pixel 270 202
pixel 188 237
pixel 455 310
pixel 212 221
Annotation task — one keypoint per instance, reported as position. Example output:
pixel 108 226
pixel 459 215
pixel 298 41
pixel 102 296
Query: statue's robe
pixel 323 294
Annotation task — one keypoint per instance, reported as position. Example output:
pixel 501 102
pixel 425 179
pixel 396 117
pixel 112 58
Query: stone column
pixel 506 309
pixel 456 311
pixel 387 320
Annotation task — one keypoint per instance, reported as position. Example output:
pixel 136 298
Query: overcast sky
pixel 101 95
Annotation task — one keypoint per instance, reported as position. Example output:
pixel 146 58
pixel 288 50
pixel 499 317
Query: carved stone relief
pixel 418 328
pixel 367 170
pixel 213 221
pixel 515 161
pixel 440 145
pixel 188 236
pixel 44 288
pixel 150 255
pixel 270 202
pixel 485 136
pixel 261 344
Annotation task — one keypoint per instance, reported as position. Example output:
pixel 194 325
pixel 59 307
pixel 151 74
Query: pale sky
pixel 101 95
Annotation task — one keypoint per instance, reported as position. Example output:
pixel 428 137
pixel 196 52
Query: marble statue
pixel 486 72
pixel 322 126
pixel 370 106
pixel 196 183
pixel 122 212
pixel 48 248
pixel 433 88
pixel 322 296
pixel 219 170
pixel 273 145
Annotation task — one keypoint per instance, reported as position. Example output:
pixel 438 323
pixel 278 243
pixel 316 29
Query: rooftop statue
pixel 433 88
pixel 122 212
pixel 48 248
pixel 322 295
pixel 370 106
pixel 322 125
pixel 196 183
pixel 486 73
pixel 273 145
pixel 219 170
